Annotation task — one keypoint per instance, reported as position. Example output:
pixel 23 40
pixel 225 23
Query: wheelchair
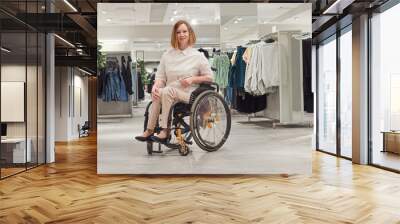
pixel 206 119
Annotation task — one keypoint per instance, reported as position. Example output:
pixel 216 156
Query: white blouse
pixel 176 64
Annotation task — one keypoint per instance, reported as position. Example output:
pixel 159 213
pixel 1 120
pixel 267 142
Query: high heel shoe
pixel 144 138
pixel 160 140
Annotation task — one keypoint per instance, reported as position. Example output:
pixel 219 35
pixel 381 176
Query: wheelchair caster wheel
pixel 149 148
pixel 184 150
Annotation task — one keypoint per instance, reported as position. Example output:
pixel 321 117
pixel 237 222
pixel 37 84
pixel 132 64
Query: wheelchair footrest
pixel 188 142
pixel 172 145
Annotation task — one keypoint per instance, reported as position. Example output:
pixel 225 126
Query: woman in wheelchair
pixel 180 72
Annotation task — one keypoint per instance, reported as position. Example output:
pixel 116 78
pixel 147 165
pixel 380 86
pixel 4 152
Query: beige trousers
pixel 168 96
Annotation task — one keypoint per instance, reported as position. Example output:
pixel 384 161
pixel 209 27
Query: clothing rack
pixel 285 106
pixel 251 42
pixel 115 109
pixel 270 36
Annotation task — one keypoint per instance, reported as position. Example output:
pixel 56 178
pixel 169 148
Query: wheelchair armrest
pixel 210 84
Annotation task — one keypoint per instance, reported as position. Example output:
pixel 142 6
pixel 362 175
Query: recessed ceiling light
pixel 70 5
pixel 108 20
pixel 236 21
pixel 5 50
pixel 64 40
pixel 104 12
pixel 84 71
pixel 239 19
pixel 193 22
pixel 225 28
pixel 172 19
pixel 175 12
pixel 43 7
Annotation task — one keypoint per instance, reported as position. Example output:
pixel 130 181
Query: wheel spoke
pixel 210 121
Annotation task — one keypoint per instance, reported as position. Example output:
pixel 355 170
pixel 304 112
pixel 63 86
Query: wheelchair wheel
pixel 210 121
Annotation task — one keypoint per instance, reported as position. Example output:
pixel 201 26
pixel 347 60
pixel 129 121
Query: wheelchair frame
pixel 182 130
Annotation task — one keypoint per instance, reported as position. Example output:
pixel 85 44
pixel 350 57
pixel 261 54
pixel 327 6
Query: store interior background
pixel 143 31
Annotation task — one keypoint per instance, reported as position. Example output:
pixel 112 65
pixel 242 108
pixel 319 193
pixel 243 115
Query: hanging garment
pixel 238 69
pixel 233 58
pixel 269 72
pixel 221 63
pixel 229 88
pixel 113 86
pixel 247 55
pixel 126 75
pixel 124 72
pixel 100 83
pixel 151 82
pixel 247 103
pixel 251 71
pixel 134 81
pixel 262 72
pixel 140 86
pixel 123 95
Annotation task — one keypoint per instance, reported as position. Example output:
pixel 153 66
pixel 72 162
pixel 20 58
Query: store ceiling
pixel 148 26
pixel 128 14
pixel 125 14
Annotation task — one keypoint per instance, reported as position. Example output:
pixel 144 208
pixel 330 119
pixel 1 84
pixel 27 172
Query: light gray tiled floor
pixel 252 148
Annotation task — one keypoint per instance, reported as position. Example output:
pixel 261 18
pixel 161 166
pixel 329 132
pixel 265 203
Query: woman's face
pixel 182 33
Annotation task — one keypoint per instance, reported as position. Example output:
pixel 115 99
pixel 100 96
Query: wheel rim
pixel 210 121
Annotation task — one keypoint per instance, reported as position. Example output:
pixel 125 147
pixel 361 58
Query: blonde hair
pixel 174 37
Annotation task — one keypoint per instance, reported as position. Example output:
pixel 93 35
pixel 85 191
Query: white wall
pixel 79 117
pixel 62 81
pixel 11 73
pixel 70 83
pixel 33 125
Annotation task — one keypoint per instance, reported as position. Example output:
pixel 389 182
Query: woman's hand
pixel 155 93
pixel 187 82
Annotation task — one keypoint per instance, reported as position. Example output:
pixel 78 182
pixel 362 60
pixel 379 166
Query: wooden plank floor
pixel 70 191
